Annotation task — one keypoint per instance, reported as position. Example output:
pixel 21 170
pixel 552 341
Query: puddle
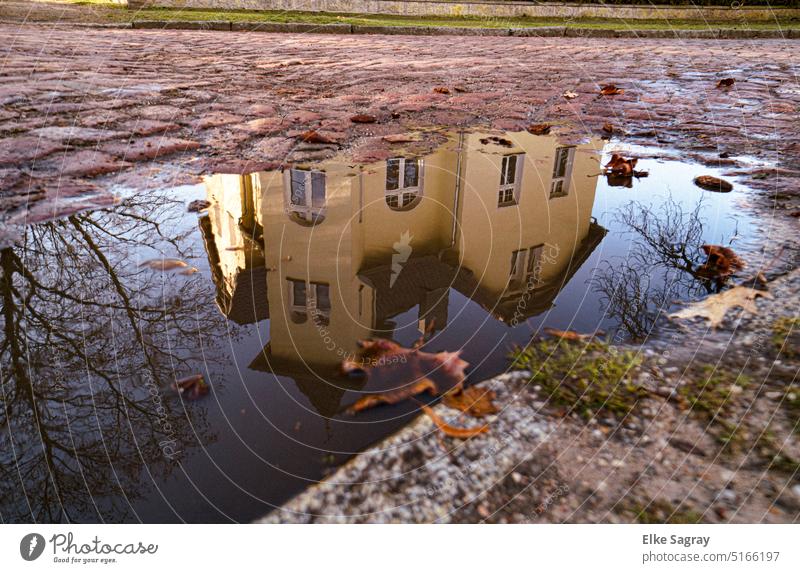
pixel 293 268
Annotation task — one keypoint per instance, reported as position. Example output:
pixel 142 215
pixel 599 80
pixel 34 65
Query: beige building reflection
pixel 333 253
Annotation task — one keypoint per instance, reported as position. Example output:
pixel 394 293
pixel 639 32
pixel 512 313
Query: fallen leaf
pixel 721 261
pixel 569 95
pixel 452 431
pixel 611 89
pixel 363 118
pixel 164 264
pixel 406 371
pixel 715 306
pixel 441 90
pixel 794 214
pixel 192 387
pixel 394 396
pixel 725 83
pixel 567 334
pixel 539 128
pixel 314 137
pixel 608 128
pixel 460 88
pixel 711 183
pixel 619 165
pixel 474 400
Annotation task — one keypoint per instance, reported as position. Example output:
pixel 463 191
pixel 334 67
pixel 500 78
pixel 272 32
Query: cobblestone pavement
pixel 86 107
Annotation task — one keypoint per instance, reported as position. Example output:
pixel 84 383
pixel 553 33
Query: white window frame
pixel 402 190
pixel 560 184
pixel 307 212
pixel 525 268
pixel 508 193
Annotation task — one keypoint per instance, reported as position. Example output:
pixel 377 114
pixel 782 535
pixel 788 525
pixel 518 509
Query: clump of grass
pixel 662 511
pixel 591 378
pixel 785 335
pixel 775 454
pixel 715 397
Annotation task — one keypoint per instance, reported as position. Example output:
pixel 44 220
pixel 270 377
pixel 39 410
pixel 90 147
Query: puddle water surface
pixel 481 244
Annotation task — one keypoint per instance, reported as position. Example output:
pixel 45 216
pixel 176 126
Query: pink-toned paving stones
pixel 220 95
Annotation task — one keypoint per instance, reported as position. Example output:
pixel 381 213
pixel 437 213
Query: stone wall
pixel 486 8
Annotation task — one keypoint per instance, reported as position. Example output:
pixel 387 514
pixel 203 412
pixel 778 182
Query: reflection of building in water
pixel 503 221
pixel 233 236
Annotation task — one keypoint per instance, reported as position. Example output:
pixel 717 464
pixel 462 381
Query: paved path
pixel 76 103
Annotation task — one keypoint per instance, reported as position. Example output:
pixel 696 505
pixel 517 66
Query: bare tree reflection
pixel 90 344
pixel 664 263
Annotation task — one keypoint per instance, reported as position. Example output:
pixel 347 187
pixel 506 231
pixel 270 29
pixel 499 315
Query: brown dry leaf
pixel 475 401
pixel 406 372
pixel 192 387
pixel 721 262
pixel 725 82
pixel 618 165
pixel 569 95
pixel 608 128
pixel 539 128
pixel 441 90
pixel 611 89
pixel 363 118
pixel 452 431
pixel 394 396
pixel 567 334
pixel 164 264
pixel 711 183
pixel 715 306
pixel 314 137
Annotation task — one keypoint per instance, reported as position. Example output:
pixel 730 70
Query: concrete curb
pixel 543 32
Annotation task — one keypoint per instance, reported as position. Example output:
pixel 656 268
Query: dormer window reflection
pixel 305 195
pixel 403 182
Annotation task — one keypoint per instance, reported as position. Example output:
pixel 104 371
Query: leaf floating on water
pixel 192 387
pixel 568 334
pixel 715 306
pixel 619 165
pixel 725 83
pixel 608 128
pixel 407 371
pixel 721 262
pixel 711 183
pixel 539 128
pixel 441 90
pixel 394 396
pixel 164 264
pixel 453 431
pixel 475 401
pixel 611 89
